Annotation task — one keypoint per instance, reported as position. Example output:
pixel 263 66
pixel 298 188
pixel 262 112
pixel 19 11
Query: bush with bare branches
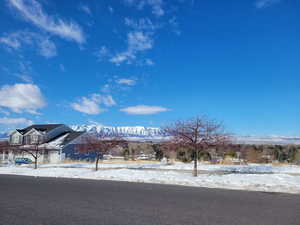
pixel 100 145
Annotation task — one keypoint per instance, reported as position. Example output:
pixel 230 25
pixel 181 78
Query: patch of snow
pixel 250 168
pixel 268 178
pixel 243 169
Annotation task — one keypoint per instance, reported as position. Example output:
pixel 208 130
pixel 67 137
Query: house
pixel 58 141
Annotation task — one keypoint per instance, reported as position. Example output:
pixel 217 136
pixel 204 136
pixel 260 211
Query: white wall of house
pixel 16 138
pixel 7 156
pixel 31 137
pixel 54 156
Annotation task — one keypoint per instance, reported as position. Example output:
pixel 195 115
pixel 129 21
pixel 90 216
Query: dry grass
pixel 118 161
pixel 281 164
pixel 131 162
pixel 115 161
pixel 230 162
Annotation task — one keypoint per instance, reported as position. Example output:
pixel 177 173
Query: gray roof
pixel 40 127
pixel 72 135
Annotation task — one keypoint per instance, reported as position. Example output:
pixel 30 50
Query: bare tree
pixel 169 149
pixel 197 134
pixel 35 149
pixel 101 144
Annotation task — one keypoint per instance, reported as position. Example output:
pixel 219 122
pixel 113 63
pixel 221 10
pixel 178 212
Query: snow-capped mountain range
pixel 140 133
pixel 279 140
pixel 137 133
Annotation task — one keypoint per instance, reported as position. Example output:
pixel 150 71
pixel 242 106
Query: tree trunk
pixel 132 155
pixel 97 161
pixel 35 163
pixel 36 158
pixel 195 172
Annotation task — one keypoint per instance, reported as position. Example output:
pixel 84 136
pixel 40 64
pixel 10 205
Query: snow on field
pixel 250 168
pixel 249 177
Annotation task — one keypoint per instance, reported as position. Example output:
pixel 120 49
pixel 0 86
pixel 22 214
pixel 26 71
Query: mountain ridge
pixel 155 134
pixel 140 133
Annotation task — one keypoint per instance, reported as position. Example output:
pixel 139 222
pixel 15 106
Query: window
pixel 16 139
pixel 34 138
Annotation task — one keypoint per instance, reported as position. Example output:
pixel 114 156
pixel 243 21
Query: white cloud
pixel 103 53
pixel 95 122
pixel 11 42
pixel 106 88
pixel 143 110
pixel 85 8
pixel 118 84
pixel 4 112
pixel 141 24
pixel 24 71
pixel 47 48
pixel 22 97
pixel 91 105
pixel 137 41
pixel 260 4
pixel 87 106
pixel 128 82
pixel 149 62
pixel 19 39
pixel 107 100
pixel 33 12
pixel 127 56
pixel 175 25
pixel 15 121
pixel 25 78
pixel 156 5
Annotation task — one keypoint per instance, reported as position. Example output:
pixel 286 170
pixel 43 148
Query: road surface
pixel 54 201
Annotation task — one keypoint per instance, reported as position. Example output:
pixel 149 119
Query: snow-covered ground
pixel 255 177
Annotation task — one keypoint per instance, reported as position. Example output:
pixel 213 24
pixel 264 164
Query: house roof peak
pixel 40 127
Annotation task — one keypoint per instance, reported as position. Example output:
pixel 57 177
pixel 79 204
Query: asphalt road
pixel 55 201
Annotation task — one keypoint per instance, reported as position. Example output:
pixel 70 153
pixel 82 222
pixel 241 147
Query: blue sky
pixel 150 62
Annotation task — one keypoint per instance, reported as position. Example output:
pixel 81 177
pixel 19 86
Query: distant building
pixel 57 140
